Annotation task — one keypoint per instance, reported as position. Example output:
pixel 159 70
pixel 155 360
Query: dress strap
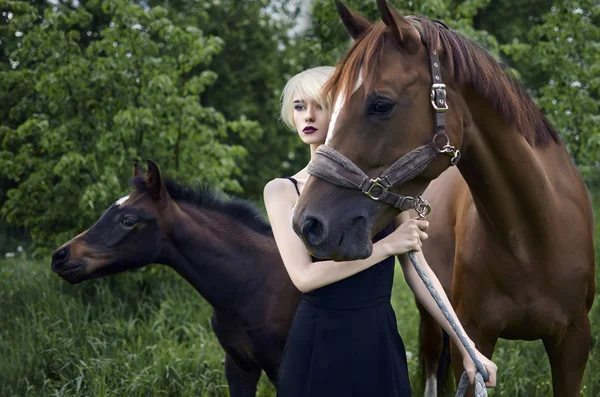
pixel 295 182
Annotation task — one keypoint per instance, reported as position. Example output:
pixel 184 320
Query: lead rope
pixel 481 376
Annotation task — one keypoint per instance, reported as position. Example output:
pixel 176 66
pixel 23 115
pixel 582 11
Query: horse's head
pixel 389 101
pixel 128 235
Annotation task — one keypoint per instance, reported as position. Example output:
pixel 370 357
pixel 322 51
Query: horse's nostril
pixel 61 255
pixel 313 231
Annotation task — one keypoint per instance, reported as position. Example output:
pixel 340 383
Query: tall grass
pixel 147 333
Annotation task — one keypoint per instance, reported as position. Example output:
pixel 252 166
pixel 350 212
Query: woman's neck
pixel 313 149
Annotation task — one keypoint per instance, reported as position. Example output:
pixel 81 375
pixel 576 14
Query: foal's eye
pixel 128 222
pixel 381 108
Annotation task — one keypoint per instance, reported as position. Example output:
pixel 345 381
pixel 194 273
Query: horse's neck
pixel 517 188
pixel 219 256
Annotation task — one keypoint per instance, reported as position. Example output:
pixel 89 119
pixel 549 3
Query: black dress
pixel 344 341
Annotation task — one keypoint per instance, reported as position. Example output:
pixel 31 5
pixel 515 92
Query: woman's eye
pixel 381 108
pixel 299 107
pixel 128 222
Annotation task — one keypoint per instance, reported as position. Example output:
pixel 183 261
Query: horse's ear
pixel 137 169
pixel 154 182
pixel 355 23
pixel 404 32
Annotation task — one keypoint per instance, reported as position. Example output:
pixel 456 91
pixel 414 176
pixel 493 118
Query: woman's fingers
pixel 492 375
pixel 421 224
pixel 471 374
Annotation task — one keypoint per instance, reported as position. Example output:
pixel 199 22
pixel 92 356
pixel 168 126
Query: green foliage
pixel 143 333
pixel 76 112
pixel 560 61
pixel 257 60
pixel 511 19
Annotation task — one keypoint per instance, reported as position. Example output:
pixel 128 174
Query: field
pixel 147 333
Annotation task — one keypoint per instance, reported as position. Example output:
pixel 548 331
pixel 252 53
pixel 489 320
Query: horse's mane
pixel 206 198
pixel 468 64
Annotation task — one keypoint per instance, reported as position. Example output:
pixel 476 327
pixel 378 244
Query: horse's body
pixel 511 232
pixel 224 249
pixel 503 289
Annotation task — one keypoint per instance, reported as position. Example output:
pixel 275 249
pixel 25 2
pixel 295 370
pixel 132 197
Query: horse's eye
pixel 381 108
pixel 128 222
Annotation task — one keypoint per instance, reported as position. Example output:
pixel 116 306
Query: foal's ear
pixel 404 32
pixel 154 182
pixel 354 22
pixel 137 169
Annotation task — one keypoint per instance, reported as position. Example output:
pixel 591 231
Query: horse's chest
pixel 521 300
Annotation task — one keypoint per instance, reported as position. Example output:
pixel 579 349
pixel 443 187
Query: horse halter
pixel 337 169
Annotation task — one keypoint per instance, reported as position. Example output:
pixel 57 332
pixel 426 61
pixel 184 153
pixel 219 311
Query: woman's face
pixel 311 120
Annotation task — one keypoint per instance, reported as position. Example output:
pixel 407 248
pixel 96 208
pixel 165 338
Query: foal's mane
pixel 467 63
pixel 239 210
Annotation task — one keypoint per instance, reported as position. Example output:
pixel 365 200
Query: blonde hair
pixel 308 85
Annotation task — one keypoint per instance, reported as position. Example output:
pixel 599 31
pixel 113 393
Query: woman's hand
pixel 407 237
pixel 489 365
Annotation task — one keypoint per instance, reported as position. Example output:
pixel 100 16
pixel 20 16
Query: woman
pixel 344 340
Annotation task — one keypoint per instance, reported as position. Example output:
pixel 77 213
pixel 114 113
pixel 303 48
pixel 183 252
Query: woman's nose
pixel 310 115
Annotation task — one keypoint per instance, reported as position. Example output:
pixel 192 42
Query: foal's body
pixel 223 248
pixel 239 272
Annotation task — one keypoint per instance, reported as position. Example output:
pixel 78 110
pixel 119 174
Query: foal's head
pixel 129 234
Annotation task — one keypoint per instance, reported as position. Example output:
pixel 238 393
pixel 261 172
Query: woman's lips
pixel 309 130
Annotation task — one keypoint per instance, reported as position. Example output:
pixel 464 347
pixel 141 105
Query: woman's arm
pixel 280 198
pixel 424 297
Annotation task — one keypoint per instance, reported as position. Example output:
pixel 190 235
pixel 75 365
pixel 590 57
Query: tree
pixel 560 63
pixel 257 59
pixel 78 109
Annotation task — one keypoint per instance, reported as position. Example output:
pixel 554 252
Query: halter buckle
pixel 438 97
pixel 422 207
pixel 375 184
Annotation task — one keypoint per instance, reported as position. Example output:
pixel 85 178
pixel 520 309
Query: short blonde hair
pixel 308 85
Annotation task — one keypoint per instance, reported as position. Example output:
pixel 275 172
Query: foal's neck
pixel 516 186
pixel 218 255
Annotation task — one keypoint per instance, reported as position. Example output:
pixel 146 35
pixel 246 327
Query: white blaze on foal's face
pixel 340 101
pixel 121 200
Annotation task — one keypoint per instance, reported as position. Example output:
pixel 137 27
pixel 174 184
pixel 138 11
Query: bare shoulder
pixel 280 188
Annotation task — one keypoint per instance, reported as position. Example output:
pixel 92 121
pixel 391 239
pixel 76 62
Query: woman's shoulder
pixel 279 187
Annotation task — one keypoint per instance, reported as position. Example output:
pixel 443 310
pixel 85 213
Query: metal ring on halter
pixel 441 148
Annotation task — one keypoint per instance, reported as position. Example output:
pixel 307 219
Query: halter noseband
pixel 337 169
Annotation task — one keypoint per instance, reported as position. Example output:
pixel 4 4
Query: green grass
pixel 147 333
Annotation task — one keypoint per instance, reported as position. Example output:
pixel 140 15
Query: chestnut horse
pixel 223 248
pixel 511 227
